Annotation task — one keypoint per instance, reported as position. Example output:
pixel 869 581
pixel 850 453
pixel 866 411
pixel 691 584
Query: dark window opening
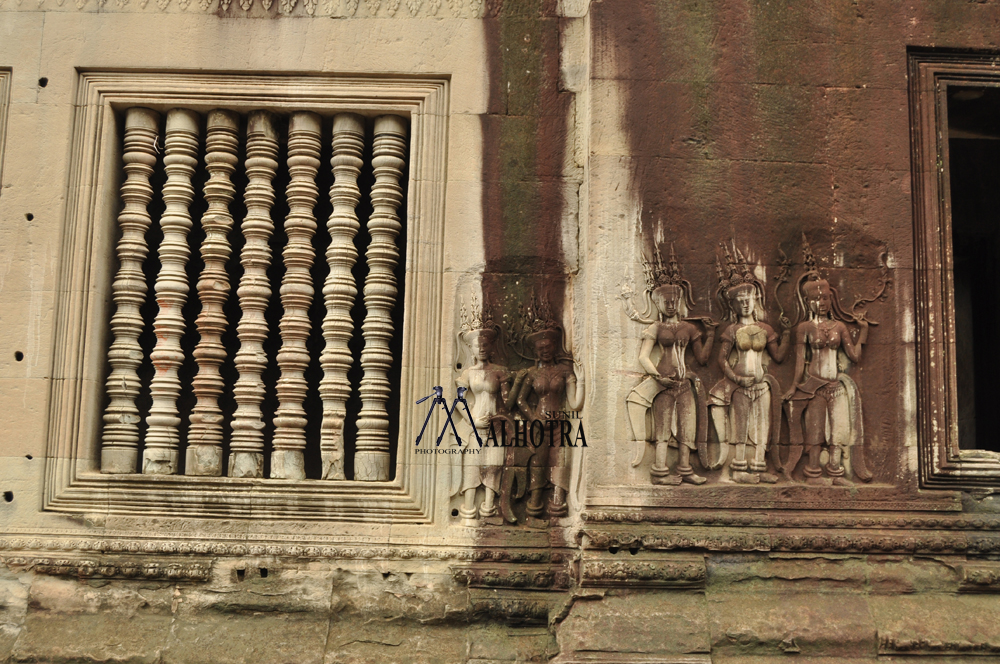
pixel 974 173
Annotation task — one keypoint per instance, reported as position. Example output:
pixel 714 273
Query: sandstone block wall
pixel 571 141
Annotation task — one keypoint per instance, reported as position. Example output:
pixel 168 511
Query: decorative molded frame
pixel 5 76
pixel 942 464
pixel 73 482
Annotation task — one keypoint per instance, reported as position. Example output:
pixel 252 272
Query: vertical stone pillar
pixel 287 459
pixel 339 290
pixel 120 439
pixel 180 159
pixel 246 458
pixel 204 452
pixel 371 458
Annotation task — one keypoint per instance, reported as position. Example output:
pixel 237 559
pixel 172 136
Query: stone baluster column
pixel 287 459
pixel 339 290
pixel 246 458
pixel 204 452
pixel 179 160
pixel 120 440
pixel 371 457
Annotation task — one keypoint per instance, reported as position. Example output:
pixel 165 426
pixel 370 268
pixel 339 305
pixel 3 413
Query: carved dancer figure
pixel 491 394
pixel 669 404
pixel 745 404
pixel 825 397
pixel 555 383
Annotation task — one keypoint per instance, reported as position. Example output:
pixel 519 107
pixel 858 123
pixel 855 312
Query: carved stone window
pixel 274 234
pixel 955 105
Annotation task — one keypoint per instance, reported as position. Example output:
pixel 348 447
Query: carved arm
pixel 702 349
pixel 779 349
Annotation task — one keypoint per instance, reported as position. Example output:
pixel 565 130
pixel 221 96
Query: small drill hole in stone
pixel 612 550
pixel 28 457
pixel 18 355
pixel 263 572
pixel 42 82
pixel 8 496
pixel 634 550
pixel 241 574
pixel 385 575
pixel 29 216
pixel 454 512
pixel 459 366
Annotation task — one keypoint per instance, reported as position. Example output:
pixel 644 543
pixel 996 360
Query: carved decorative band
pixel 512 577
pixel 103 569
pixel 843 541
pixel 642 574
pixel 814 520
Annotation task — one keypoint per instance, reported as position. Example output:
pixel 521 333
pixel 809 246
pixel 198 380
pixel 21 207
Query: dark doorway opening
pixel 974 173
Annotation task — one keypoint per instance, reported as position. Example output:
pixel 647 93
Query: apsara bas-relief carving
pixel 670 407
pixel 491 396
pixel 520 442
pixel 554 384
pixel 745 403
pixel 824 405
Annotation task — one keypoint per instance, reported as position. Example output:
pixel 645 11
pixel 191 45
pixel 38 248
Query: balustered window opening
pixel 257 303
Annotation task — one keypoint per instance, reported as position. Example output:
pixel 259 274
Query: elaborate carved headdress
pixel 812 279
pixel 478 317
pixel 536 321
pixel 737 274
pixel 658 275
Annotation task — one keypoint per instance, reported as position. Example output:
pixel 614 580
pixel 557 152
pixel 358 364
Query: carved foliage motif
pixel 526 578
pixel 334 8
pixel 644 574
pixel 105 569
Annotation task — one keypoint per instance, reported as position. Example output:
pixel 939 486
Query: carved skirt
pixel 483 468
pixel 751 426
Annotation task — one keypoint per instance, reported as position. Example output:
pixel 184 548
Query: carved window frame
pixel 73 481
pixel 942 463
pixel 5 76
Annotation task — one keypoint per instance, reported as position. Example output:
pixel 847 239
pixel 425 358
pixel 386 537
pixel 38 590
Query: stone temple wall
pixel 691 265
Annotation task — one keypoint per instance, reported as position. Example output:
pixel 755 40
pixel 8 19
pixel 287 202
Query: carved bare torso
pixel 750 343
pixel 824 337
pixel 485 386
pixel 672 339
pixel 548 382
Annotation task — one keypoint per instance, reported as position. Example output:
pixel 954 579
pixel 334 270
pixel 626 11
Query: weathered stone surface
pixel 13 608
pixel 811 624
pixel 651 623
pixel 937 624
pixel 94 621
